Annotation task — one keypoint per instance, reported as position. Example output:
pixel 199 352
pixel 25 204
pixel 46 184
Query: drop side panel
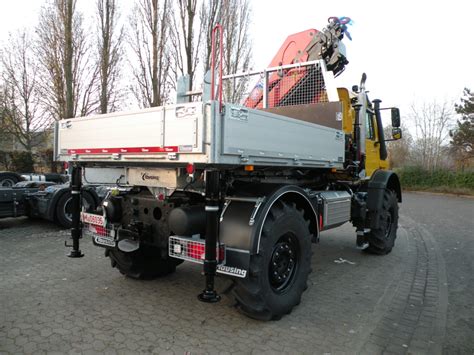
pixel 257 137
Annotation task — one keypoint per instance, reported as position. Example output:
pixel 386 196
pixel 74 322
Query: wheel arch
pixel 242 219
pixel 290 195
pixel 385 179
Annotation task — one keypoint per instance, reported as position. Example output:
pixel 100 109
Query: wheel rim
pixel 67 209
pixel 7 183
pixel 283 263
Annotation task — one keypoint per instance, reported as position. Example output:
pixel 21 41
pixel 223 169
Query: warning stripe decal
pixel 171 149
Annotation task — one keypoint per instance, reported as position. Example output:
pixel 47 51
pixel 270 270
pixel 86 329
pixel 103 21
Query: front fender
pixel 381 180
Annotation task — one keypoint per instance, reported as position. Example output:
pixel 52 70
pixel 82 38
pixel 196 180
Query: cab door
pixel 372 156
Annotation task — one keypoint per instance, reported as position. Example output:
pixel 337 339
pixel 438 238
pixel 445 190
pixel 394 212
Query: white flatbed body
pixel 198 133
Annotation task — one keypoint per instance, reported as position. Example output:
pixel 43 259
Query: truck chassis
pixel 242 188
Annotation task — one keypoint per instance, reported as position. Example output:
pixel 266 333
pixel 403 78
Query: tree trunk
pixel 68 55
pixel 154 76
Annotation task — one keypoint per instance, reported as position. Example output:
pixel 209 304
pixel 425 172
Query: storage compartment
pixel 336 206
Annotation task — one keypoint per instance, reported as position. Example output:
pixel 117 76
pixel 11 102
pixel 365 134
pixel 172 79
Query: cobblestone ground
pixel 371 304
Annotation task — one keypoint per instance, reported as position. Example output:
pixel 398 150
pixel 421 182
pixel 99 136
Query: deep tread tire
pixel 145 263
pixel 382 240
pixel 61 217
pixel 255 295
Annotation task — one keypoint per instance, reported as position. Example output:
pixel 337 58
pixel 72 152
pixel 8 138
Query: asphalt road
pixel 450 222
pixel 418 299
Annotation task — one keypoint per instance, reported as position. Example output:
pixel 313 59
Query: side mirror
pixel 396 133
pixel 395 117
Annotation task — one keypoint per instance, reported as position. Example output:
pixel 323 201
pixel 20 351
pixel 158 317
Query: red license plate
pixel 94 219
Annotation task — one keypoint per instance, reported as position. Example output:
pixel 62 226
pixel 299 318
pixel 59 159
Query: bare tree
pixel 110 53
pixel 192 26
pixel 149 24
pixel 237 45
pixel 21 111
pixel 186 39
pixel 69 76
pixel 399 151
pixel 432 121
pixel 234 16
pixel 210 15
pixel 237 51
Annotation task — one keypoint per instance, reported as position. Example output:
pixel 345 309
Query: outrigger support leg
pixel 76 202
pixel 212 229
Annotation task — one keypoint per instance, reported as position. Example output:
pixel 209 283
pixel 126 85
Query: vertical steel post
pixel 217 28
pixel 265 89
pixel 76 229
pixel 212 230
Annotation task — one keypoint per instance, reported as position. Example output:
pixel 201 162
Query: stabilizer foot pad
pixel 75 254
pixel 209 296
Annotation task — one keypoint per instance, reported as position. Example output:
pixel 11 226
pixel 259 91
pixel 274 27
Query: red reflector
pixel 320 221
pixel 190 168
pixel 196 250
pixel 221 255
pixel 101 230
pixel 65 165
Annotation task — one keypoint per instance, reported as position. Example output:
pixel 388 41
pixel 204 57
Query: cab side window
pixel 369 125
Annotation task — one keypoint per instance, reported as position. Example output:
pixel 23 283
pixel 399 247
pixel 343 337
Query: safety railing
pixel 294 84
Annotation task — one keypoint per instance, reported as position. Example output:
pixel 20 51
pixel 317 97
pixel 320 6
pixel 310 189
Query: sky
pixel 412 51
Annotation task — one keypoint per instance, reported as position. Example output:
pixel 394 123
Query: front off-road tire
pixel 278 273
pixel 382 239
pixel 146 263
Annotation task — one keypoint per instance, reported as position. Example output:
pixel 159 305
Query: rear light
pixel 192 250
pixel 101 230
pixel 96 230
pixel 190 168
pixel 195 250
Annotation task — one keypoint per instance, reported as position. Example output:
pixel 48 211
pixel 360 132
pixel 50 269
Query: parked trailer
pixel 239 186
pixel 46 200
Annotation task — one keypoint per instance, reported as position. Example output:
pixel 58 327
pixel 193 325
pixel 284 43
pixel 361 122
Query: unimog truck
pixel 242 177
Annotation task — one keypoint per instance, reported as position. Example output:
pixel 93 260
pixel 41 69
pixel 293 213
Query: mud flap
pixel 236 263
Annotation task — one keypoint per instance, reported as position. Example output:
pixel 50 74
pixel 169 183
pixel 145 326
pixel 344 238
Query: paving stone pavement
pixel 52 304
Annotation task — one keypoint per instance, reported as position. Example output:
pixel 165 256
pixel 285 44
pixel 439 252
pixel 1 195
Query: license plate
pixel 107 241
pixel 102 235
pixel 94 219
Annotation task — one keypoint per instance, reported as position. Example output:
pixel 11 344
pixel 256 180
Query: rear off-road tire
pixel 146 263
pixel 382 239
pixel 278 273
